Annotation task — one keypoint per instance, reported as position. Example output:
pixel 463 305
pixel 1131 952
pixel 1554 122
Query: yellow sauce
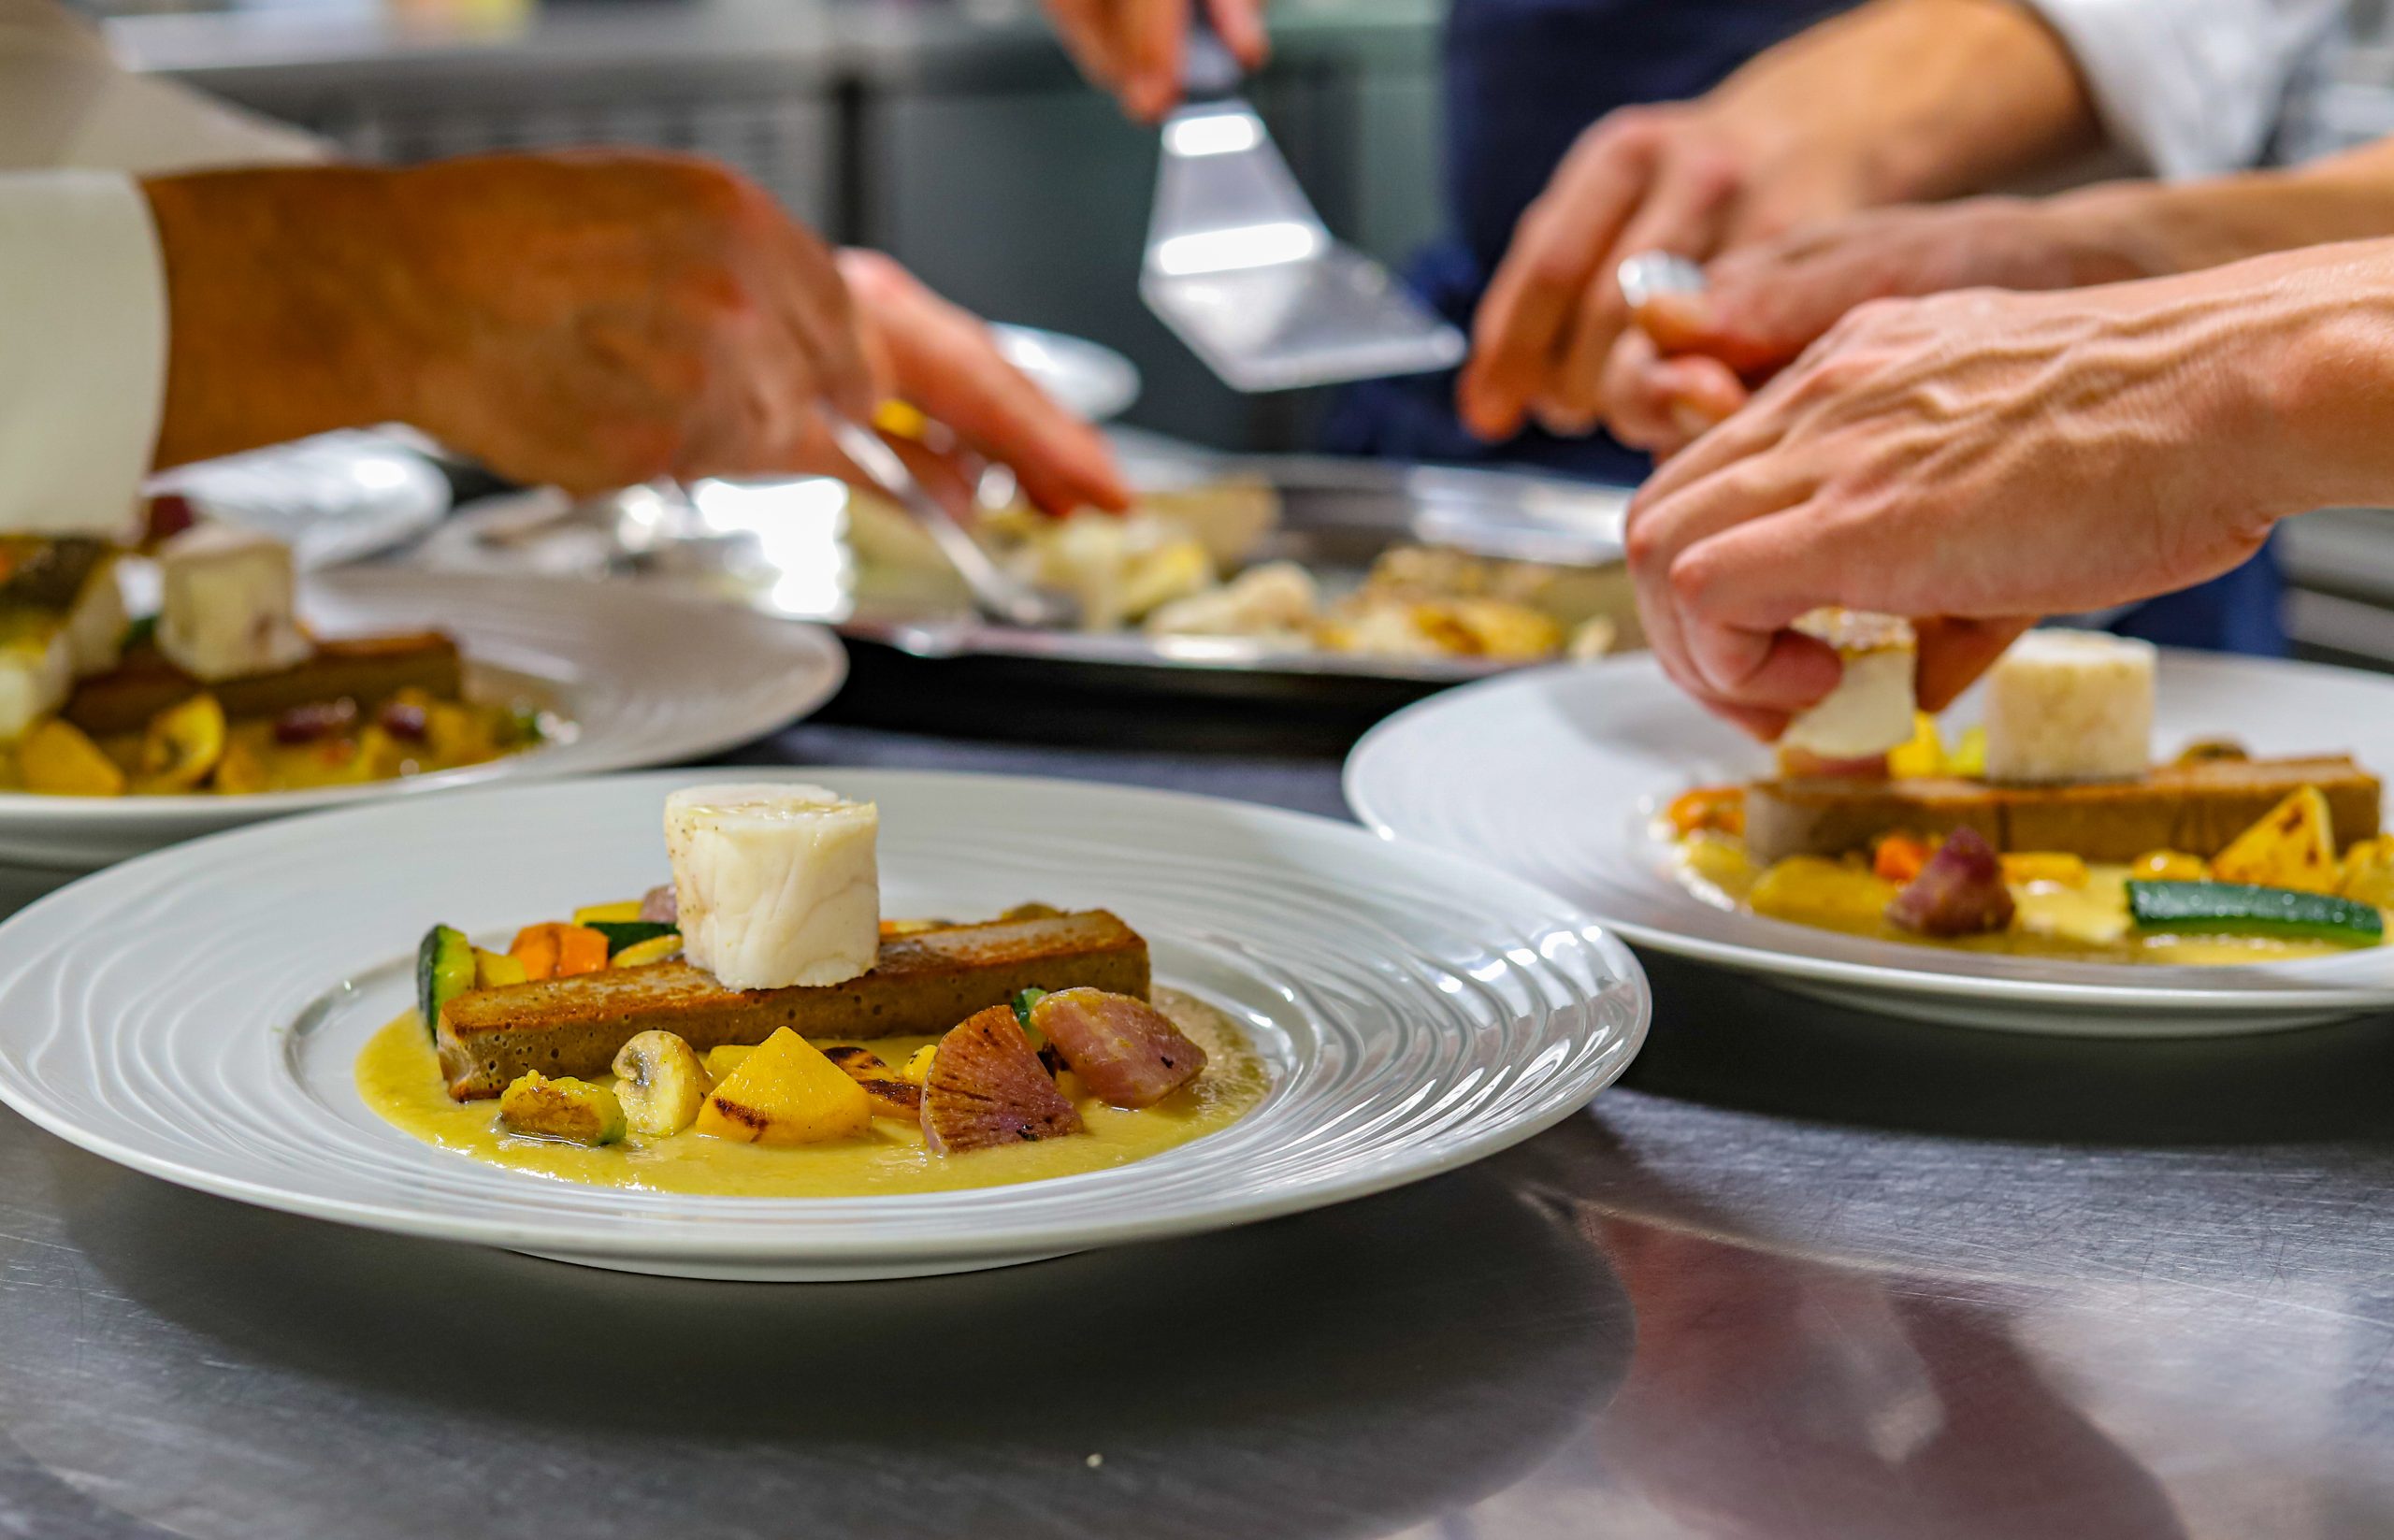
pixel 2089 922
pixel 400 1078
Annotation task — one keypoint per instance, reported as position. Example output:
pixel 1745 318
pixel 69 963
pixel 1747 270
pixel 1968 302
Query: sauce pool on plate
pixel 399 1079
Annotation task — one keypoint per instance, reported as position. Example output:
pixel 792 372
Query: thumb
pixel 1756 320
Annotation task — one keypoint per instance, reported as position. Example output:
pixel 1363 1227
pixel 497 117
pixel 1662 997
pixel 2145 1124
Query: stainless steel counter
pixel 1805 1274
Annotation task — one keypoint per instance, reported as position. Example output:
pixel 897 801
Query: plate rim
pixel 829 1244
pixel 1887 979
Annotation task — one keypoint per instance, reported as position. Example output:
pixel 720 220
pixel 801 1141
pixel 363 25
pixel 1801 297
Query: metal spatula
pixel 1243 269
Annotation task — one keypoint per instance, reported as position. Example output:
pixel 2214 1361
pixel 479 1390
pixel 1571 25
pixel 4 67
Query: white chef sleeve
pixel 2191 88
pixel 82 351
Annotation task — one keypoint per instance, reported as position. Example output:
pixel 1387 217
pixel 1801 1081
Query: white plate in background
pixel 643 677
pixel 1554 775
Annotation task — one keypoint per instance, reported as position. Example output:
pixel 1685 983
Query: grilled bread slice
pixel 2196 807
pixel 922 984
pixel 366 669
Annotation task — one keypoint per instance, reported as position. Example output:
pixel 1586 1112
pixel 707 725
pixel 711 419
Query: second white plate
pixel 1555 775
pixel 643 677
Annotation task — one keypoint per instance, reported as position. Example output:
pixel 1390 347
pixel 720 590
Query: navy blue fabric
pixel 1522 79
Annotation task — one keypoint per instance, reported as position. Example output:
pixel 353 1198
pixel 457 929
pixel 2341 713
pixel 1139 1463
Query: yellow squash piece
pixel 1814 890
pixel 608 913
pixel 572 1109
pixel 787 1093
pixel 725 1058
pixel 183 744
pixel 2169 866
pixel 494 969
pixel 2293 845
pixel 57 758
pixel 1923 755
pixel 1968 757
pixel 918 1067
pixel 2057 867
pixel 2369 872
pixel 641 954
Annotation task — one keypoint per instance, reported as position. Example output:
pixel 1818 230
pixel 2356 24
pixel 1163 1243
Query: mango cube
pixel 787 1093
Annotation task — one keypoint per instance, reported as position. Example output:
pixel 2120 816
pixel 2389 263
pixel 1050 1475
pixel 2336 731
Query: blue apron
pixel 1522 79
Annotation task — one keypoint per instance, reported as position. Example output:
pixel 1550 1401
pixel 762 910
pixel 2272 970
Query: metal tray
pixel 780 546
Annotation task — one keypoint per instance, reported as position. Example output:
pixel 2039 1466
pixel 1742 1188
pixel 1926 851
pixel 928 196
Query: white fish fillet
pixel 777 883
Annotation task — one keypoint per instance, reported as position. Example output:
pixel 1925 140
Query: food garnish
pixel 987 1087
pixel 56 758
pixel 2292 845
pixel 570 1110
pixel 2070 706
pixel 2244 910
pixel 1125 1050
pixel 1871 709
pixel 444 968
pixel 776 884
pixel 660 1084
pixel 1959 892
pixel 892 1097
pixel 785 1093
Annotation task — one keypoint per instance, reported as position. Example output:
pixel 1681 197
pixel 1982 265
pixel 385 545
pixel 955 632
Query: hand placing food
pixel 1132 49
pixel 1970 92
pixel 590 320
pixel 1692 359
pixel 1982 457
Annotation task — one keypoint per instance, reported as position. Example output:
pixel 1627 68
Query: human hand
pixel 941 360
pixel 590 320
pixel 1977 458
pixel 1691 360
pixel 1133 48
pixel 1690 178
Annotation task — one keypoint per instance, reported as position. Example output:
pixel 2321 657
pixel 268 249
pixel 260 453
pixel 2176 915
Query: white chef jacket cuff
pixel 2191 88
pixel 82 351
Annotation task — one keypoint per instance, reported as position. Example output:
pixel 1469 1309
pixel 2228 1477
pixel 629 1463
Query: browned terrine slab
pixel 2198 807
pixel 922 984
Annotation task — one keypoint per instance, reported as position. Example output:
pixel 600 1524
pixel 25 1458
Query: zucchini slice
pixel 444 968
pixel 623 934
pixel 2236 909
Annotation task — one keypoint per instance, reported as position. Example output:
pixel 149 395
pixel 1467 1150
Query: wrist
pixel 276 325
pixel 2328 372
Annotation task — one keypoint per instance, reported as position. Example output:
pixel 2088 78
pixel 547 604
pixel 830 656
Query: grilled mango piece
pixel 892 1096
pixel 57 758
pixel 785 1093
pixel 986 1088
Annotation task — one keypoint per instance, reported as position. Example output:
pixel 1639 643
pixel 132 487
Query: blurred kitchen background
pixel 954 133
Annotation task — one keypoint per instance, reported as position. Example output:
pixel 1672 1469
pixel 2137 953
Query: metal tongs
pixel 1243 269
pixel 996 592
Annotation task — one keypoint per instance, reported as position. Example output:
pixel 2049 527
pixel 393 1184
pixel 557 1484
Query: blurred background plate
pixel 642 678
pixel 334 498
pixel 1556 776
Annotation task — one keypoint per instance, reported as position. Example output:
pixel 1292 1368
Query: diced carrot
pixel 580 950
pixel 536 947
pixel 553 950
pixel 1719 809
pixel 1899 857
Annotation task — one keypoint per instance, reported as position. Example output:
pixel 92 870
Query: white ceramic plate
pixel 1555 774
pixel 645 678
pixel 197 1014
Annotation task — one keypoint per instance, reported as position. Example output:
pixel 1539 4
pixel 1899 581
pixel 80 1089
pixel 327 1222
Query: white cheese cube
pixel 2070 706
pixel 225 604
pixel 1871 710
pixel 777 883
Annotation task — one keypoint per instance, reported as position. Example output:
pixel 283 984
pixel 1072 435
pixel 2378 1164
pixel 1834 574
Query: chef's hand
pixel 941 360
pixel 1133 48
pixel 1691 360
pixel 590 320
pixel 1979 458
pixel 1898 100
